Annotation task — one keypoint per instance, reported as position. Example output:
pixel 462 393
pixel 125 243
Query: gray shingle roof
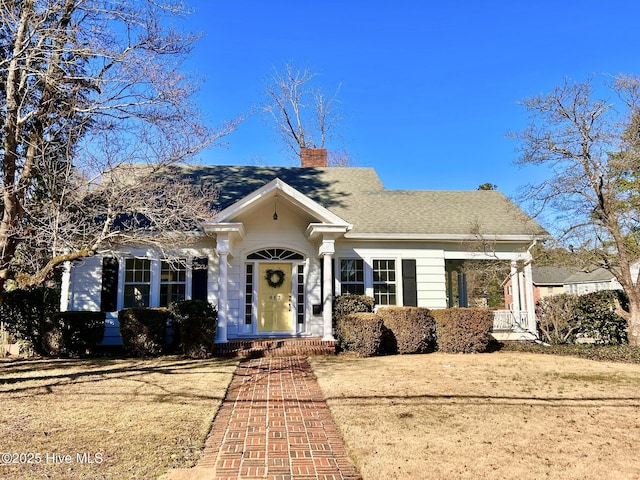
pixel 358 196
pixel 552 275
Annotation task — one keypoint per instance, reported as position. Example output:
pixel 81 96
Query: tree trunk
pixel 633 322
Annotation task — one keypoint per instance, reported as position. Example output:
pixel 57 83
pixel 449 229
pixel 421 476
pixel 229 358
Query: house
pixel 555 280
pixel 286 240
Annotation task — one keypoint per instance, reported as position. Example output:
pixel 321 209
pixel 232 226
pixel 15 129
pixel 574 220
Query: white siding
pixel 430 269
pixel 86 284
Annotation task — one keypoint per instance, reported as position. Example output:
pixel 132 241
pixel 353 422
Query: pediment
pixel 266 195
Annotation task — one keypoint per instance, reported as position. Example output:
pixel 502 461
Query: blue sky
pixel 429 89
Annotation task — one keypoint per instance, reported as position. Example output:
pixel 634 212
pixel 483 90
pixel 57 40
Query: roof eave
pixel 442 237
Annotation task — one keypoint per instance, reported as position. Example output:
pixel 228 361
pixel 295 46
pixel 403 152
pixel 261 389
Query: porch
pixel 513 325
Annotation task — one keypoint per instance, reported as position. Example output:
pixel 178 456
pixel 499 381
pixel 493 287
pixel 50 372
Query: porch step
pixel 275 347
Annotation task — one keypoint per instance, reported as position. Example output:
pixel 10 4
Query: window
pixel 300 299
pixel 137 282
pixel 352 276
pixel 248 297
pixel 384 282
pixel 275 254
pixel 173 282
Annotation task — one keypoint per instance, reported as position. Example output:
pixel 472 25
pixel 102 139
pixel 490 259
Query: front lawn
pixel 105 418
pixel 504 415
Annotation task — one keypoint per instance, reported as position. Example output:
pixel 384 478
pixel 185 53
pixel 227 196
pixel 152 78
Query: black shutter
pixel 109 293
pixel 409 283
pixel 199 279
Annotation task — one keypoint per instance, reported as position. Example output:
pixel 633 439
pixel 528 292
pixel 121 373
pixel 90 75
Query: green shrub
pixel 463 330
pixel 72 333
pixel 143 330
pixel 408 329
pixel 598 318
pixel 194 323
pixel 347 304
pixel 360 333
pixel 558 319
pixel 25 311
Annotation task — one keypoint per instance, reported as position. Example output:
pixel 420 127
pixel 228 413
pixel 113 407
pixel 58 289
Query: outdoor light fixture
pixel 275 208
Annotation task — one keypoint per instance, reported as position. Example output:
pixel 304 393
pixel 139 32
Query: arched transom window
pixel 275 254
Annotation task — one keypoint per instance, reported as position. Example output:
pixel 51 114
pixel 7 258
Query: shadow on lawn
pixel 458 399
pixel 27 376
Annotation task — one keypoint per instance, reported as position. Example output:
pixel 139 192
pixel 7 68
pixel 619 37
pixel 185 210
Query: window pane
pixel 352 276
pixel 170 293
pixel 351 270
pixel 137 279
pixel 353 289
pixel 384 282
pixel 172 282
pixel 136 296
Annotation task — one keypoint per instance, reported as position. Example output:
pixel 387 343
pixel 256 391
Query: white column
pixel 221 330
pixel 327 301
pixel 521 291
pixel 327 250
pixel 531 308
pixel 515 288
pixel 223 247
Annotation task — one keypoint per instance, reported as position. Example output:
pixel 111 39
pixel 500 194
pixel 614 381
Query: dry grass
pixel 501 415
pixel 133 418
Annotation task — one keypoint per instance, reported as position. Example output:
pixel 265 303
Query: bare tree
pixel 304 116
pixel 591 148
pixel 88 86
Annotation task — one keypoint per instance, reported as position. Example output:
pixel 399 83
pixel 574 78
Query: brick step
pixel 275 347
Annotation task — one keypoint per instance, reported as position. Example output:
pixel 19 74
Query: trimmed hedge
pixel 24 312
pixel 347 304
pixel 194 323
pixel 567 318
pixel 143 330
pixel 599 319
pixel 408 330
pixel 463 330
pixel 360 333
pixel 72 333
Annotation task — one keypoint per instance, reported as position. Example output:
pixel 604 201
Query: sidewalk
pixel 273 424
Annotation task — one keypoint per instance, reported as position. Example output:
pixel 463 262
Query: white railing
pixel 510 320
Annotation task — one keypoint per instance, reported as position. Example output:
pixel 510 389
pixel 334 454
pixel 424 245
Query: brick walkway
pixel 273 424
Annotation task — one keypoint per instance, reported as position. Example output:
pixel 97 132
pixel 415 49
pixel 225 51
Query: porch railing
pixel 508 320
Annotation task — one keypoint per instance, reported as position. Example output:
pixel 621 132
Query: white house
pixel 286 240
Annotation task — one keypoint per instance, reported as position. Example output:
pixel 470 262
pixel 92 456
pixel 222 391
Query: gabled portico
pixel 275 251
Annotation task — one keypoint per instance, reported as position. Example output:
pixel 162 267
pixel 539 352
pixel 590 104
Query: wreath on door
pixel 274 278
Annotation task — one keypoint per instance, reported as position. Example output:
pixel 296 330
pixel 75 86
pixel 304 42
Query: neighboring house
pixel 551 280
pixel 596 280
pixel 286 240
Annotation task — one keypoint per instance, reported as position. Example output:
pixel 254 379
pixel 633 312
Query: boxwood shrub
pixel 72 333
pixel 194 323
pixel 347 304
pixel 463 330
pixel 408 330
pixel 360 333
pixel 143 330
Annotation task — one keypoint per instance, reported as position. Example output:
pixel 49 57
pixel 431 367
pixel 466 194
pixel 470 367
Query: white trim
pixel 444 237
pixel 228 228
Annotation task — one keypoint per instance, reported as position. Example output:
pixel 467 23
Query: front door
pixel 274 298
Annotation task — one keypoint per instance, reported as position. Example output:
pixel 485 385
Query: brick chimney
pixel 313 157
